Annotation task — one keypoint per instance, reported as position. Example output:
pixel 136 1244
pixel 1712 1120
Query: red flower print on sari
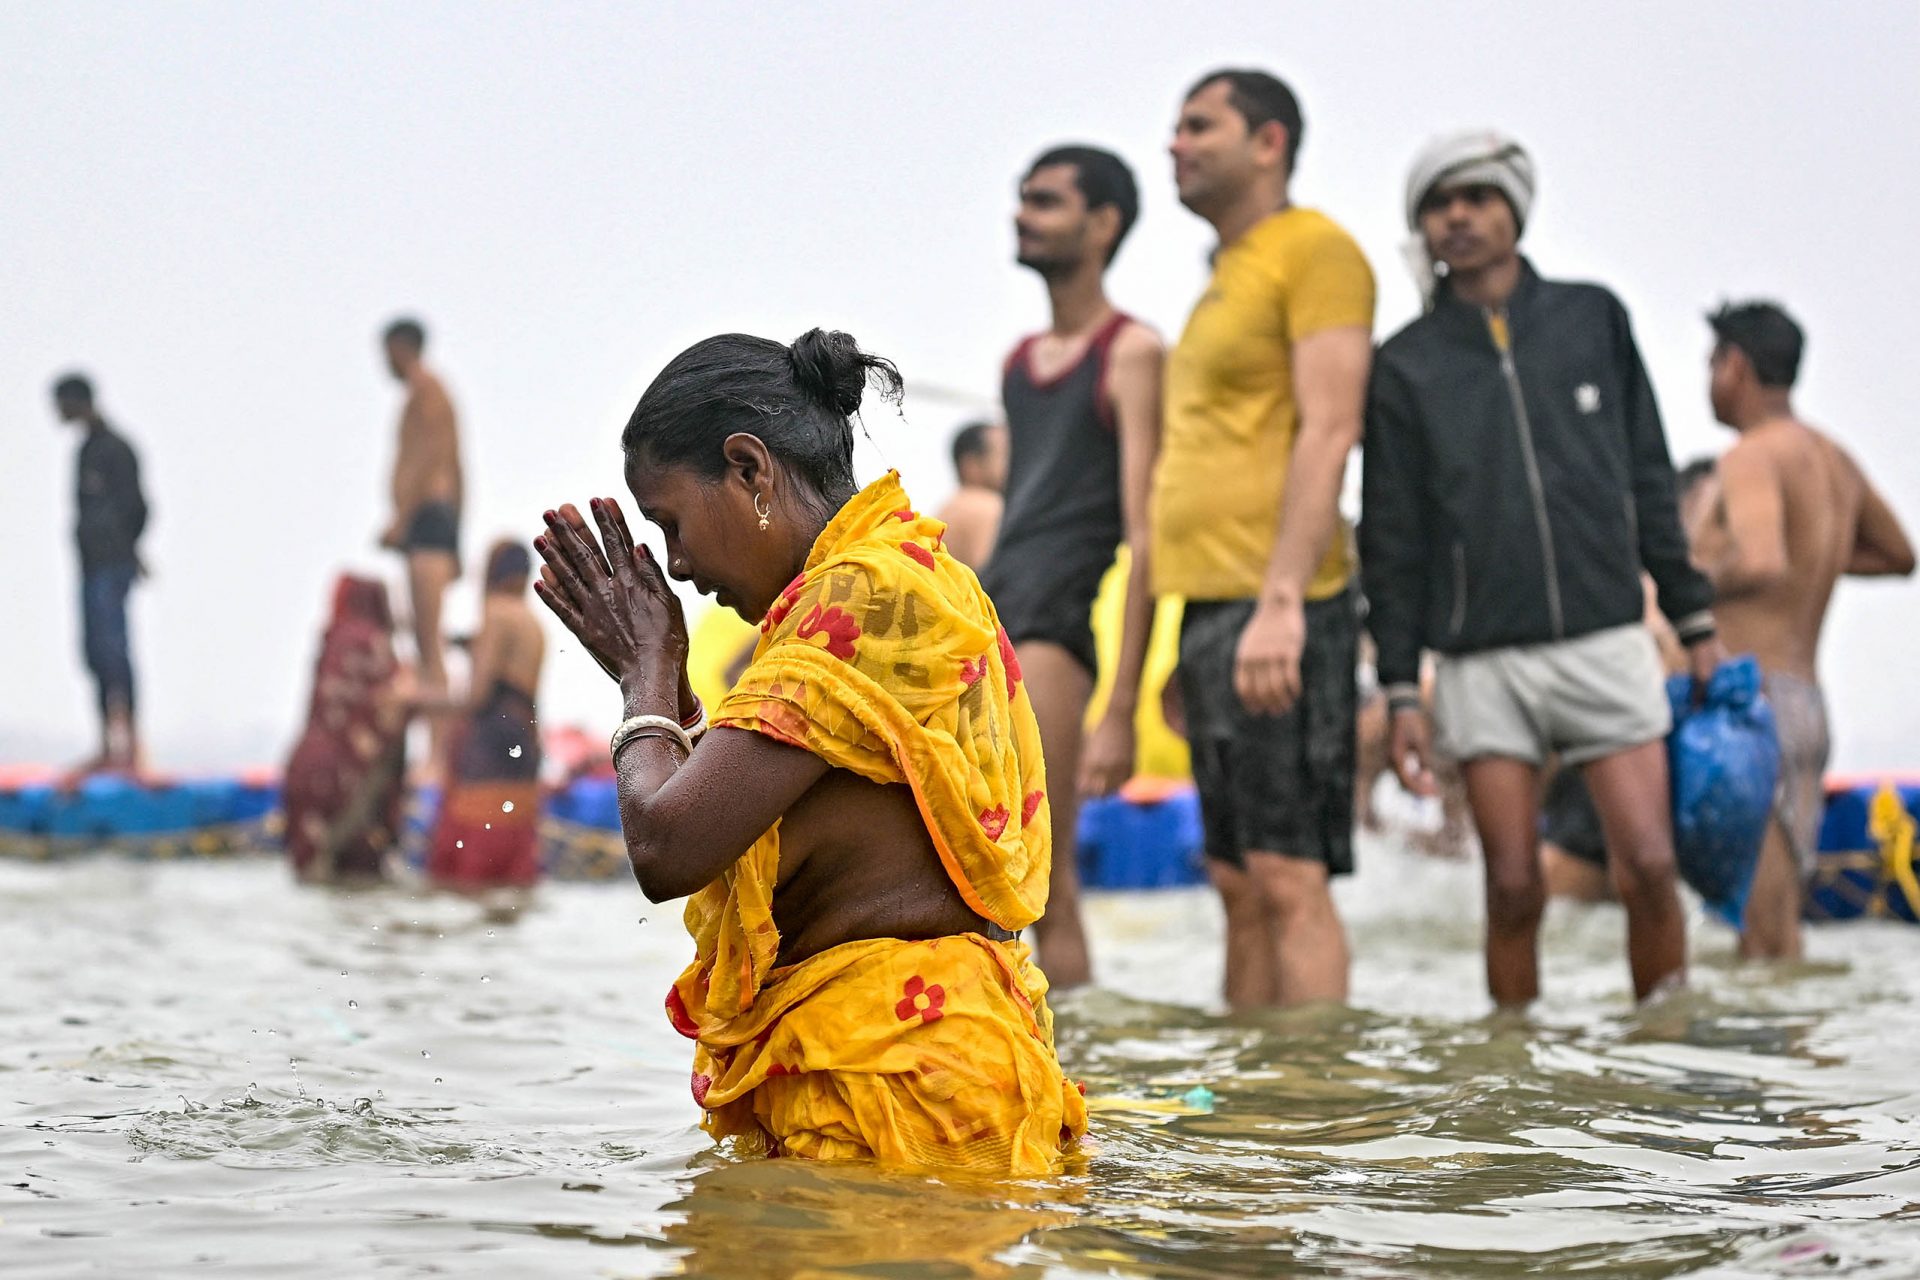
pixel 905 515
pixel 701 1084
pixel 840 628
pixel 972 669
pixel 914 551
pixel 677 1014
pixel 920 1001
pixel 783 604
pixel 994 821
pixel 1010 661
pixel 1031 807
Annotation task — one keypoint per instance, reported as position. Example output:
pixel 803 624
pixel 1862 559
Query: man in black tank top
pixel 1083 413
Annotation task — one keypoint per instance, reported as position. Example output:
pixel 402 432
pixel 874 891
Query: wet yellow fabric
pixel 885 658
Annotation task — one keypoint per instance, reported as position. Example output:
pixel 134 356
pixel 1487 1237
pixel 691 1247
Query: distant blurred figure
pixel 972 514
pixel 1792 514
pixel 488 832
pixel 1082 399
pixel 344 781
pixel 112 514
pixel 427 489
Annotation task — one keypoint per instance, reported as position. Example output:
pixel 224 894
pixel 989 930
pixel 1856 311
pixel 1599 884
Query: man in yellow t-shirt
pixel 1263 403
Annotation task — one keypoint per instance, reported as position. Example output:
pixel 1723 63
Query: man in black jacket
pixel 1517 482
pixel 112 514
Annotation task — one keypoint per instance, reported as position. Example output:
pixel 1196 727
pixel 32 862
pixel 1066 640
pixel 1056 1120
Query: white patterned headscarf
pixel 1476 157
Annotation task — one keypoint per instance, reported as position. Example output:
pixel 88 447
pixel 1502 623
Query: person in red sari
pixel 488 833
pixel 344 781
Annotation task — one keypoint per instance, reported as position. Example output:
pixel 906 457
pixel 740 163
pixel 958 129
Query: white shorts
pixel 1582 699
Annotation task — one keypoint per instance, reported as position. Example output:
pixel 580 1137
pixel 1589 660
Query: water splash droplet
pixel 425 1054
pixel 506 806
pixel 438 1080
pixel 459 844
pixel 353 1004
pixel 643 919
pixel 489 933
pixel 485 978
pixel 514 751
pixel 489 826
pixel 343 973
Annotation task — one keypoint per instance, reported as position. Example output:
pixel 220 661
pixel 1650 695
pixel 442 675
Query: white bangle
pixel 634 726
pixel 699 725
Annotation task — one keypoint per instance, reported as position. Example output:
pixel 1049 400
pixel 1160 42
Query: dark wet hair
pixel 1766 335
pixel 1687 477
pixel 797 400
pixel 1261 99
pixel 1104 182
pixel 74 388
pixel 970 441
pixel 408 330
pixel 509 561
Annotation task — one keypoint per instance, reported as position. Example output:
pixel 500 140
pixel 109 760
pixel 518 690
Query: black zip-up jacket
pixel 112 512
pixel 1513 497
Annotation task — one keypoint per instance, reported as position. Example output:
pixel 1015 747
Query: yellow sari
pixel 885 658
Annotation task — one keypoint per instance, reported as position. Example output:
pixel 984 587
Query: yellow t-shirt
pixel 1229 414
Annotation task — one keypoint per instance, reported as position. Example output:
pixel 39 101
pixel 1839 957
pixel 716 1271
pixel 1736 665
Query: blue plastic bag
pixel 1724 758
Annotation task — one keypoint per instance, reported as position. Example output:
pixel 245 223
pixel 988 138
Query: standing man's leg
pixel 1207 715
pixel 105 632
pixel 1630 793
pixel 1251 979
pixel 429 574
pixel 1308 944
pixel 1307 760
pixel 1059 687
pixel 1504 795
pixel 1770 929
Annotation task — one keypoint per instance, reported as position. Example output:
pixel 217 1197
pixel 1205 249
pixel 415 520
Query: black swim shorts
pixel 1278 784
pixel 435 527
pixel 1569 820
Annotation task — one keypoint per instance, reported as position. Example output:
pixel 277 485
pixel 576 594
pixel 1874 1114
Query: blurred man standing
pixel 1793 512
pixel 427 489
pixel 112 514
pixel 1083 422
pixel 972 514
pixel 1263 403
pixel 1517 482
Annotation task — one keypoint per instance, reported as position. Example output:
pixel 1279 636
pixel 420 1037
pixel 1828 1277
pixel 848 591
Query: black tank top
pixel 1063 517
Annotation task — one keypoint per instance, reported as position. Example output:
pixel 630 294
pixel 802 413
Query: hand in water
pixel 616 601
pixel 1266 666
pixel 1107 761
pixel 1410 748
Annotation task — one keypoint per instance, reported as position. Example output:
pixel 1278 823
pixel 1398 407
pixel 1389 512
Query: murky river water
pixel 204 1071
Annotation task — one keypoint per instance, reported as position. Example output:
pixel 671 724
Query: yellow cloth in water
pixel 885 658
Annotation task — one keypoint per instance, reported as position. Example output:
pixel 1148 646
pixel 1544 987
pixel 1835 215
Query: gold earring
pixel 760 509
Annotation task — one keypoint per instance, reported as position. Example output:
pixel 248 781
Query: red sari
pixel 345 779
pixel 488 832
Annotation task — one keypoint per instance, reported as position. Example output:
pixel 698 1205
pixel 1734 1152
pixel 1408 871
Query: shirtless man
pixel 426 500
pixel 1792 514
pixel 972 514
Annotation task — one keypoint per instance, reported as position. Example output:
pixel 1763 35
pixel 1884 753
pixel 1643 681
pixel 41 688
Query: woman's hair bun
pixel 831 370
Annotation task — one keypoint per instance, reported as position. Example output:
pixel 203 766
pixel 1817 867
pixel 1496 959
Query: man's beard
pixel 1048 266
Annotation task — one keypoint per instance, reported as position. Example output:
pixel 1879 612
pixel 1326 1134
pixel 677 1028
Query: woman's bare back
pixel 856 862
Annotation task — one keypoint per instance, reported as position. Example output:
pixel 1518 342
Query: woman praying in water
pixel 863 829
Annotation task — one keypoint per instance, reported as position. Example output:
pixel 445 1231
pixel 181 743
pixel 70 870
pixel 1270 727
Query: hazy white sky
pixel 213 208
